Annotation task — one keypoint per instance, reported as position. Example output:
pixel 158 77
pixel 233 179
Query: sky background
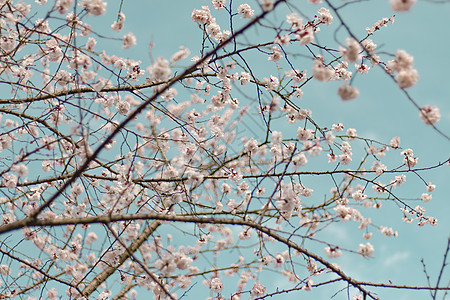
pixel 380 112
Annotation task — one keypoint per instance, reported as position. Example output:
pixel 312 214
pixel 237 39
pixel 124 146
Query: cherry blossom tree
pixel 196 171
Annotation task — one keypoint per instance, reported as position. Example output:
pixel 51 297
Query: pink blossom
pixel 333 252
pixel 271 83
pixel 159 70
pixel 426 197
pixel 118 25
pixel 320 71
pixel 348 92
pixel 94 7
pixel 216 285
pixel 407 78
pixel 304 134
pixel 351 133
pixel 430 115
pixel 430 187
pixel 402 5
pixel 308 286
pixel 305 35
pixel 258 290
pixel 246 11
pixel 324 16
pixel 337 127
pixel 388 231
pixel 219 4
pixel 5 270
pixel 366 250
pixel 276 54
pixel 395 142
pixel 202 16
pixel 353 51
pixel 129 40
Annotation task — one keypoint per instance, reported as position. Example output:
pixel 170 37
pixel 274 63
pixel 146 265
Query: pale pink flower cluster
pixel 409 160
pixel 324 16
pixel 320 71
pixel 362 69
pixel 347 92
pixel 380 23
pixel 296 75
pixel 333 252
pixel 287 201
pixel 430 187
pixel 359 195
pixel 402 5
pixel 94 7
pixel 351 134
pixel 337 127
pixel 266 5
pixel 347 213
pixel 399 180
pixel 395 142
pixel 276 54
pixel 271 83
pixel 180 55
pixel 5 270
pixel 353 51
pixel 406 76
pixel 365 250
pixel 346 157
pixel 118 25
pixel 426 197
pixel 388 231
pixel 295 20
pixel 306 35
pixel 9 180
pixel 378 167
pixel 258 290
pixel 202 16
pixel 379 187
pixel 129 40
pixel 430 115
pixel 159 70
pixel 246 11
pixel 219 4
pixel 308 286
pixel 299 160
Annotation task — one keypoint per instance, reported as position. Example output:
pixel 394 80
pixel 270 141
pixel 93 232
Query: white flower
pixel 348 92
pixel 129 40
pixel 402 5
pixel 333 252
pixel 324 16
pixel 430 115
pixel 353 52
pixel 366 250
pixel 215 285
pixel 5 270
pixel 407 78
pixel 266 5
pixel 95 7
pixel 426 197
pixel 271 83
pixel 246 11
pixel 258 290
